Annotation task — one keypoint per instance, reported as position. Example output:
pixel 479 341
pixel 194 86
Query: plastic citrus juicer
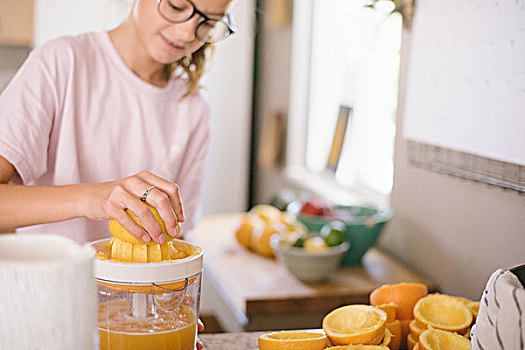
pixel 148 293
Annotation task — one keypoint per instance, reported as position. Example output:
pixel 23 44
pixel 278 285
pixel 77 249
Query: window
pixel 349 56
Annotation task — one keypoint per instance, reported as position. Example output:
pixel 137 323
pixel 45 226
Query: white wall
pixel 477 68
pixel 455 231
pixel 229 89
pixel 60 17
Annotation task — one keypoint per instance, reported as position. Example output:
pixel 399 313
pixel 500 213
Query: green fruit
pixel 299 242
pixel 334 233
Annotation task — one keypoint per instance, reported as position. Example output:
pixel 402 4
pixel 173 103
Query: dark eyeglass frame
pixel 227 20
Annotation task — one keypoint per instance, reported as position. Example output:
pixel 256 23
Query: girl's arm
pixel 30 205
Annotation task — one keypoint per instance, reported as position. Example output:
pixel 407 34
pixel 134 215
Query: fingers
pixel 200 328
pixel 163 195
pixel 152 229
pixel 161 201
pixel 138 232
pixel 147 219
pixel 169 188
pixel 123 197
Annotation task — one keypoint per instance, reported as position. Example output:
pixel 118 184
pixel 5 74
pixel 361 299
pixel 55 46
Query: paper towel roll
pixel 48 297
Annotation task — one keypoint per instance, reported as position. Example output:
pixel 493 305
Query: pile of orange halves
pixel 401 316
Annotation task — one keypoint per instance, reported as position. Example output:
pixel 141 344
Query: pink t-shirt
pixel 75 113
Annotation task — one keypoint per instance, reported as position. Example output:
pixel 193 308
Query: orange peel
pixel 118 231
pixel 358 347
pixel 442 312
pixel 397 333
pixel 387 338
pixel 415 329
pixel 390 309
pixel 436 339
pixel 411 341
pixel 355 324
pixel 292 340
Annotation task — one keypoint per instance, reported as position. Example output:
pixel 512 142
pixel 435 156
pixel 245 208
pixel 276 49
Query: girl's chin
pixel 166 59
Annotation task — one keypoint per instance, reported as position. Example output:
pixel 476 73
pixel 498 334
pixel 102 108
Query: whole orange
pixel 405 295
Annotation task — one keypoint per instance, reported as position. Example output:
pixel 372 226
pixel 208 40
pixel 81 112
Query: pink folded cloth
pixel 501 322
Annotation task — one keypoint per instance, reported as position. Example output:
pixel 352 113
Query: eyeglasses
pixel 209 30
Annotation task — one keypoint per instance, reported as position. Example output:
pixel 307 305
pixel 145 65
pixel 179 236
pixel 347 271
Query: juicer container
pixel 149 305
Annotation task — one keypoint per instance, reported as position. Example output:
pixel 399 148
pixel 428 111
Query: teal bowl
pixel 363 227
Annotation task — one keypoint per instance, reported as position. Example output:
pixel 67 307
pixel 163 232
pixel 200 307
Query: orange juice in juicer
pixel 148 293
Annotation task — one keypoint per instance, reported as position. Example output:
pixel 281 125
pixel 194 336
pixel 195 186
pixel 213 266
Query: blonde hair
pixel 192 67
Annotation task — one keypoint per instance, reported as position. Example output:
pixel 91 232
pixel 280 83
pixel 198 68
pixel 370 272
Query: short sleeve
pixel 27 109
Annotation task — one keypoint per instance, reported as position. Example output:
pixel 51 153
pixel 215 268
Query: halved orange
pixel 464 300
pixel 144 253
pixel 471 304
pixel 474 308
pixel 355 324
pixel 395 329
pixel 411 341
pixel 442 312
pixel 291 340
pixel 416 347
pixel 390 309
pixel 358 347
pixel 436 339
pixel 415 329
pixel 405 329
pixel 405 295
pixel 387 338
pixel 121 233
pixel 466 333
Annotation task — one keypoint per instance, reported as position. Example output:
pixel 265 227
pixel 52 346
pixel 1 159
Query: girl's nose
pixel 186 30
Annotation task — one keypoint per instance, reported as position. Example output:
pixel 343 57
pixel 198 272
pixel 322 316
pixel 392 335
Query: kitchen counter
pixel 236 341
pixel 249 292
pixel 231 341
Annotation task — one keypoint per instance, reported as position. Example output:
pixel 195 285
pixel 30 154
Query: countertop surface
pixel 238 340
pixel 231 341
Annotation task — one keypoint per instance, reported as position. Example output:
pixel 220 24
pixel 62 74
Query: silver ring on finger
pixel 145 194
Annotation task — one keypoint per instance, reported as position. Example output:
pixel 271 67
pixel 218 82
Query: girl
pixel 98 123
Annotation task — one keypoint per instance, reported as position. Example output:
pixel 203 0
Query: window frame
pixel 323 184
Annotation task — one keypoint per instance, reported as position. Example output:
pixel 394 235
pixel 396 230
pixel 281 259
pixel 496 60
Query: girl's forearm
pixel 31 205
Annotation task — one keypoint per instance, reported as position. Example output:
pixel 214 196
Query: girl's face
pixel 167 42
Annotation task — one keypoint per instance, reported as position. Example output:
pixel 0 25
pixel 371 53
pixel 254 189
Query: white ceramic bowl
pixel 308 266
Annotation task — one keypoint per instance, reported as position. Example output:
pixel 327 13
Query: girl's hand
pixel 200 328
pixel 103 201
